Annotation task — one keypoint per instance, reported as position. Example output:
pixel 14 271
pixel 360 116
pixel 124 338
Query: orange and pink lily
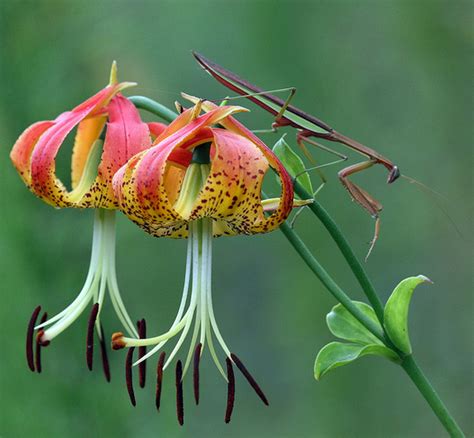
pixel 109 132
pixel 201 179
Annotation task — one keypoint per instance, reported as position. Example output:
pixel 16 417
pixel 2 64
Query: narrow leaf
pixel 396 312
pixel 343 325
pixel 293 163
pixel 337 354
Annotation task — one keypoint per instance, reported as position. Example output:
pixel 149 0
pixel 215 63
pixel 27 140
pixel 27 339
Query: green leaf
pixel 293 163
pixel 396 312
pixel 337 354
pixel 343 325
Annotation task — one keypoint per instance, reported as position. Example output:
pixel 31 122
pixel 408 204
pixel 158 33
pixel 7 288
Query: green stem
pixel 430 395
pixel 326 279
pixel 153 107
pixel 346 250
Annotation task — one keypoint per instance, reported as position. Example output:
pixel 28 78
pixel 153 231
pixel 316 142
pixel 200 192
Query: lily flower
pixel 109 132
pixel 199 181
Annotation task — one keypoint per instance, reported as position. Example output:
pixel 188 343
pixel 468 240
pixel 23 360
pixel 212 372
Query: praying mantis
pixel 308 126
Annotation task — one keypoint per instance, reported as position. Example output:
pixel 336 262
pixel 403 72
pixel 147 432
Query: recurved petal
pixel 21 152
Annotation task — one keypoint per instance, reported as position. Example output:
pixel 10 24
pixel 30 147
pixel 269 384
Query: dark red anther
pixel 39 345
pixel 159 379
pixel 179 393
pixel 29 338
pixel 249 378
pixel 141 325
pixel 90 335
pixel 105 357
pixel 197 359
pixel 128 375
pixel 230 390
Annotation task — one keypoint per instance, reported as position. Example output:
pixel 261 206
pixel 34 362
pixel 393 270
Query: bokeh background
pixel 396 75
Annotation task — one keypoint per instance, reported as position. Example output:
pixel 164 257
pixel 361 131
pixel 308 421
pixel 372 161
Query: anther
pixel 249 378
pixel 128 375
pixel 38 345
pixel 230 390
pixel 197 358
pixel 141 325
pixel 103 351
pixel 29 338
pixel 159 379
pixel 179 393
pixel 90 335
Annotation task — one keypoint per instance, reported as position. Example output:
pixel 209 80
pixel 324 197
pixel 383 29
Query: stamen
pixel 29 338
pixel 159 379
pixel 141 325
pixel 179 393
pixel 128 375
pixel 197 358
pixel 38 346
pixel 103 351
pixel 230 390
pixel 249 378
pixel 90 335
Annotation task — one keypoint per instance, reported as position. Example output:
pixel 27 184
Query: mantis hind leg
pixel 366 201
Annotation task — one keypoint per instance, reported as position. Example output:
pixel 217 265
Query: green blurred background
pixel 395 75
